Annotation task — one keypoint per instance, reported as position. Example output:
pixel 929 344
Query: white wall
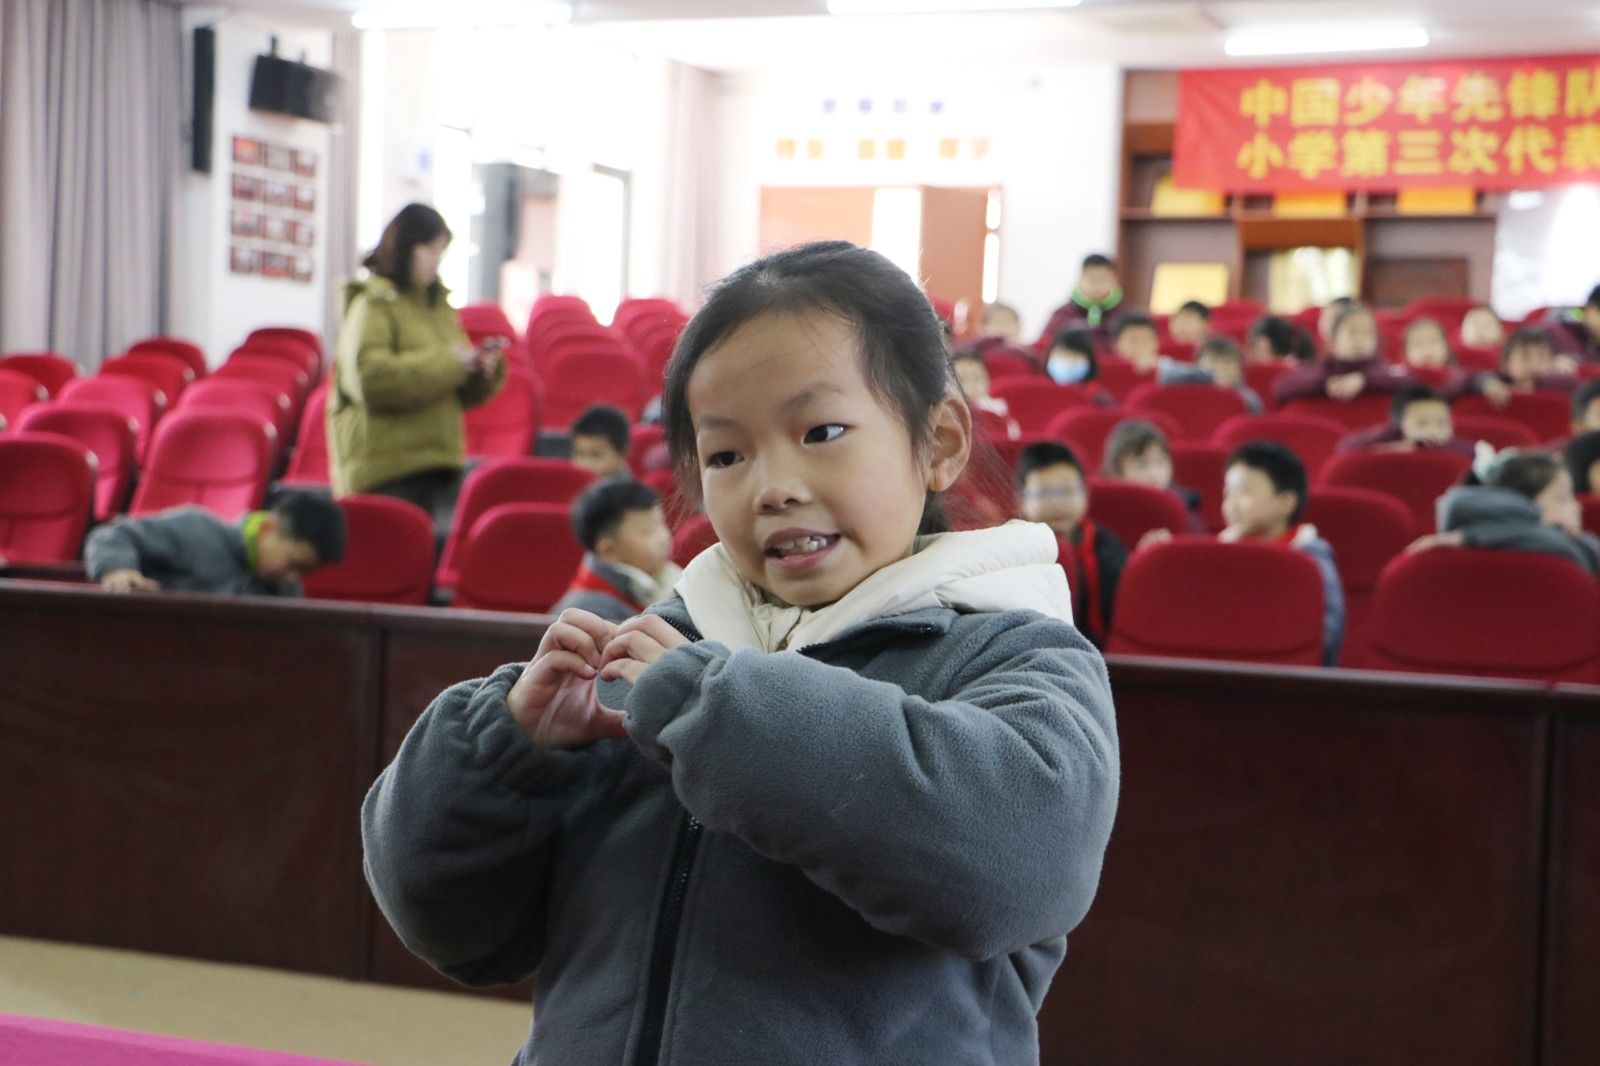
pixel 1545 249
pixel 1052 149
pixel 210 305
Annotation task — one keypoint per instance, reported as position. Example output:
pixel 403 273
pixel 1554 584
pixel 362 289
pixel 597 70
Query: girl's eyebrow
pixel 793 403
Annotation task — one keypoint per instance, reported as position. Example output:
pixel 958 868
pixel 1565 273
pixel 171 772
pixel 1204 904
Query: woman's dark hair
pixel 1128 438
pixel 1284 338
pixel 1079 342
pixel 1527 473
pixel 902 347
pixel 1581 453
pixel 415 224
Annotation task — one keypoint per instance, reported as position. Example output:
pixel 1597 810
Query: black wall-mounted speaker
pixel 286 87
pixel 205 88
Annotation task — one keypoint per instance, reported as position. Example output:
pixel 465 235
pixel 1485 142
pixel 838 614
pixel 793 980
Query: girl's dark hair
pixel 1131 437
pixel 1581 453
pixel 1525 473
pixel 1349 311
pixel 902 346
pixel 415 224
pixel 1079 342
pixel 1284 338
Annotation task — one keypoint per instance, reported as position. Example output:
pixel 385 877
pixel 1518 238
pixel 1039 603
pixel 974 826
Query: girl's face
pixel 1152 467
pixel 1525 364
pixel 810 480
pixel 425 260
pixel 1426 347
pixel 1558 507
pixel 1481 328
pixel 1356 337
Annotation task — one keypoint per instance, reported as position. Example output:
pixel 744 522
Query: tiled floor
pixel 374 1024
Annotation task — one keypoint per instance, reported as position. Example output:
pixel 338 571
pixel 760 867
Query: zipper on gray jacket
pixel 659 983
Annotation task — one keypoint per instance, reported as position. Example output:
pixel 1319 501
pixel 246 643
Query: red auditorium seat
pixel 578 379
pixel 1263 378
pixel 1197 409
pixel 47 485
pixel 1311 437
pixel 19 391
pixel 1547 415
pixel 281 377
pixel 1118 377
pixel 1086 429
pixel 655 348
pixel 264 402
pixel 47 368
pixel 486 320
pixel 526 480
pixel 1035 401
pixel 1197 598
pixel 1130 511
pixel 1475 360
pixel 1368 409
pixel 282 350
pixel 561 322
pixel 308 463
pixel 1591 511
pixel 111 437
pixel 1201 467
pixel 1416 479
pixel 1448 311
pixel 1366 530
pixel 219 460
pixel 190 353
pixel 508 422
pixel 1007 363
pixel 388 555
pixel 639 313
pixel 166 372
pixel 1485 614
pixel 641 439
pixel 673 505
pixel 1008 452
pixel 694 536
pixel 1501 432
pixel 519 557
pixel 135 397
pixel 310 338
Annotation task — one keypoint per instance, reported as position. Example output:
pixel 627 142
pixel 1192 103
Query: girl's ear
pixel 950 442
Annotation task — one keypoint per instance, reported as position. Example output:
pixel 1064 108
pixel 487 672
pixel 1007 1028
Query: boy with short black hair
pixel 1528 363
pixel 627 565
pixel 1054 491
pixel 189 549
pixel 1136 339
pixel 1190 323
pixel 1264 495
pixel 600 440
pixel 1218 361
pixel 1419 417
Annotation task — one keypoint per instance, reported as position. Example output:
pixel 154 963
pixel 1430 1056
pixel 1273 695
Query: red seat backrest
pixel 109 434
pixel 388 555
pixel 1501 432
pixel 1004 363
pixel 1368 409
pixel 1130 511
pixel 135 397
pixel 1477 359
pixel 1416 479
pixel 47 368
pixel 219 460
pixel 1197 598
pixel 47 485
pixel 1547 414
pixel 166 372
pixel 1591 511
pixel 508 422
pixel 1118 377
pixel 1197 409
pixel 641 439
pixel 19 391
pixel 1366 529
pixel 1086 429
pixel 258 399
pixel 1201 467
pixel 486 320
pixel 1448 311
pixel 634 317
pixel 1263 378
pixel 310 338
pixel 525 480
pixel 576 380
pixel 1034 401
pixel 694 536
pixel 1485 613
pixel 281 350
pixel 188 351
pixel 519 557
pixel 309 462
pixel 1311 437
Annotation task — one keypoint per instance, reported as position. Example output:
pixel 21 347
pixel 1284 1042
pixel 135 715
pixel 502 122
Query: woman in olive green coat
pixel 405 372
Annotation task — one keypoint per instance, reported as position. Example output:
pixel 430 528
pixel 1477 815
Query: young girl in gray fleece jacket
pixel 838 801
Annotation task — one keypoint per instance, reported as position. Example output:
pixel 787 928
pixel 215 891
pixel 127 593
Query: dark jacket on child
pixel 1312 381
pixel 1499 518
pixel 1384 436
pixel 869 851
pixel 1093 558
pixel 186 549
pixel 607 592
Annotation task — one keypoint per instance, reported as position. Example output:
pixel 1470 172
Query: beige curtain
pixel 691 196
pixel 91 113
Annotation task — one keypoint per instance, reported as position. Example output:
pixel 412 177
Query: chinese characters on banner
pixel 1483 123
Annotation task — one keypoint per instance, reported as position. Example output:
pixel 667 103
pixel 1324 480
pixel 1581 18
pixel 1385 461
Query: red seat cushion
pixel 1416 479
pixel 508 422
pixel 47 368
pixel 388 554
pixel 1366 530
pixel 47 487
pixel 1130 511
pixel 1311 437
pixel 108 433
pixel 1197 409
pixel 519 557
pixel 527 480
pixel 219 460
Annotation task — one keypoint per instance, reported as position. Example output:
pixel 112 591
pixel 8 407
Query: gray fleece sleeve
pixel 1522 536
pixel 135 543
pixel 976 823
pixel 459 832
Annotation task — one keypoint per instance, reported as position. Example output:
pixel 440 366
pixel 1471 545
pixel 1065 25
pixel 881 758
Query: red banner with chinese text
pixel 1484 123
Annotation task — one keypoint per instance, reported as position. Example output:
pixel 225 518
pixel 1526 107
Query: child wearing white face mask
pixel 1072 360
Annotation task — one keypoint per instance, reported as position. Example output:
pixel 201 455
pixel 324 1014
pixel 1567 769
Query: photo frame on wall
pixel 247 150
pixel 246 188
pixel 245 223
pixel 305 163
pixel 243 260
pixel 272 205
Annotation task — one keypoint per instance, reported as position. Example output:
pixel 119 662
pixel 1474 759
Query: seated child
pixel 1139 452
pixel 1263 496
pixel 1428 357
pixel 627 562
pixel 1582 458
pixel 1000 322
pixel 1054 491
pixel 1518 501
pixel 1073 360
pixel 1482 328
pixel 1277 340
pixel 1330 312
pixel 1528 363
pixel 1576 331
pixel 1419 417
pixel 1190 323
pixel 1218 361
pixel 1352 366
pixel 1137 340
pixel 600 439
pixel 1093 304
pixel 973 375
pixel 1586 408
pixel 189 549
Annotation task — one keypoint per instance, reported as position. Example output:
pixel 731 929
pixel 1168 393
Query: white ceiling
pixel 795 35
